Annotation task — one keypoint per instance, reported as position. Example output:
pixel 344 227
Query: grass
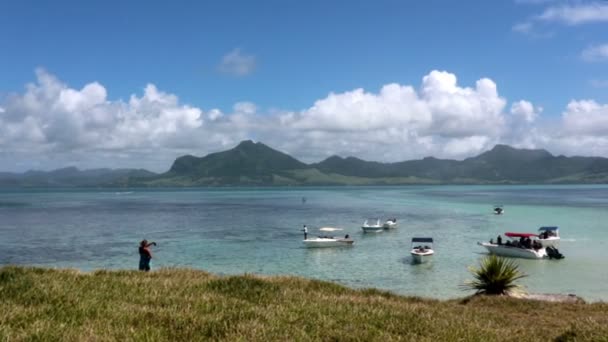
pixel 183 305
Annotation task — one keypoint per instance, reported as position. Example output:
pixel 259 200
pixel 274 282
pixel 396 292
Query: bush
pixel 495 276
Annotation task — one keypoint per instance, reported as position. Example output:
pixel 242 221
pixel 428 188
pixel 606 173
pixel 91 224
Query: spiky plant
pixel 495 276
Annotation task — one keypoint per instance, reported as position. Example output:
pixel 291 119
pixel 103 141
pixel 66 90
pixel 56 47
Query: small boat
pixel 521 245
pixel 548 236
pixel 372 225
pixel 498 210
pixel 422 249
pixel 327 240
pixel 390 223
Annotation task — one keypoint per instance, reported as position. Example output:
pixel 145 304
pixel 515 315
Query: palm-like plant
pixel 495 276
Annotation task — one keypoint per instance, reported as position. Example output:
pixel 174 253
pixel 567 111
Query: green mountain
pixel 252 163
pixel 255 164
pixel 248 163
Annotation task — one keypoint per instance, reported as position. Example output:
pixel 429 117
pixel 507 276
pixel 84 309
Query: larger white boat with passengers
pixel 326 239
pixel 521 245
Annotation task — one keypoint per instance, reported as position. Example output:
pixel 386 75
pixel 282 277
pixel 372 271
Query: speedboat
pixel 328 240
pixel 390 223
pixel 548 236
pixel 498 210
pixel 422 249
pixel 521 245
pixel 372 225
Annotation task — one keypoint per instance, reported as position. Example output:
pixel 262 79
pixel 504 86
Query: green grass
pixel 184 305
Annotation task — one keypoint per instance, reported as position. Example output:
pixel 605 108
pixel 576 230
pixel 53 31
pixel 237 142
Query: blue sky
pixel 283 56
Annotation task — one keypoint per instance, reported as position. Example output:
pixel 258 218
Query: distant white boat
pixel 322 241
pixel 390 223
pixel 422 249
pixel 548 236
pixel 372 225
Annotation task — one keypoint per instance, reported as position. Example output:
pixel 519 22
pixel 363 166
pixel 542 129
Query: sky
pixel 135 84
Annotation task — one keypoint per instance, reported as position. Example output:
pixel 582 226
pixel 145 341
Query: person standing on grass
pixel 145 255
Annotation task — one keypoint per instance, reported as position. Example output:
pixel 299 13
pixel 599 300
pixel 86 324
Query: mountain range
pixel 255 164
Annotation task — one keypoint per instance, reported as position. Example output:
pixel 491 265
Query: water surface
pixel 234 231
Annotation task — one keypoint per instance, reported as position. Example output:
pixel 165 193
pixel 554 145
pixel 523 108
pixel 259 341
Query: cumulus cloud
pixel 595 53
pixel 586 117
pixel 51 124
pixel 525 110
pixel 236 63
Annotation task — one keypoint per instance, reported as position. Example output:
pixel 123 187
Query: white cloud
pixel 580 13
pixel 525 110
pixel 595 53
pixel 586 117
pixel 52 125
pixel 236 63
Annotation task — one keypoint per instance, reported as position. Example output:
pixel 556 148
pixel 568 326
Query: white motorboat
pixel 328 240
pixel 372 225
pixel 422 249
pixel 548 236
pixel 498 210
pixel 390 223
pixel 521 245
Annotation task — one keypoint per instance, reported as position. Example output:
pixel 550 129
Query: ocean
pixel 258 231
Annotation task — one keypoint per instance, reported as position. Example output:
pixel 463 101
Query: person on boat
pixel 145 255
pixel 346 236
pixel 499 240
pixel 305 230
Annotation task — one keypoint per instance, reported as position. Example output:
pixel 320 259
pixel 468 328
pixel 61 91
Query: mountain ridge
pixel 256 164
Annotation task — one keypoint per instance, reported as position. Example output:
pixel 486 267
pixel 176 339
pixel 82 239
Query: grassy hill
pixel 186 305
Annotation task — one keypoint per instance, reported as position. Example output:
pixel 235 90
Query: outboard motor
pixel 553 253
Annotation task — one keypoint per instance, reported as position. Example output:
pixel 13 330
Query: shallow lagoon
pixel 231 231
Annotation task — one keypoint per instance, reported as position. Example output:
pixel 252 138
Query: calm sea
pixel 234 231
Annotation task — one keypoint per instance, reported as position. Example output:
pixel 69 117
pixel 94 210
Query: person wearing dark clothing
pixel 499 240
pixel 305 230
pixel 145 255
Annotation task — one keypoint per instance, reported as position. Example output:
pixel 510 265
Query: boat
pixel 521 245
pixel 390 223
pixel 328 240
pixel 422 249
pixel 548 236
pixel 372 225
pixel 498 210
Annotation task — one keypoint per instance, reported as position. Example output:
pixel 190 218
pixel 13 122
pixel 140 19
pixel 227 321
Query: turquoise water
pixel 234 231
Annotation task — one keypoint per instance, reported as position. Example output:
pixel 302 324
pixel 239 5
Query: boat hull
pixel 389 225
pixel 327 242
pixel 549 242
pixel 420 257
pixel 514 252
pixel 372 229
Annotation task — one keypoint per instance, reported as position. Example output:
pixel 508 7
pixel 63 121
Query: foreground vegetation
pixel 182 305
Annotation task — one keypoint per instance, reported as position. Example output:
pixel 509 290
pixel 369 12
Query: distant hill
pixel 252 163
pixel 255 164
pixel 71 176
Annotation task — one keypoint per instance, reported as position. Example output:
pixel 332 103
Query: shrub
pixel 495 276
